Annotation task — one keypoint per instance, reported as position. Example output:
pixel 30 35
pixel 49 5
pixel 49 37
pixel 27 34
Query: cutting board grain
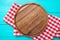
pixel 31 19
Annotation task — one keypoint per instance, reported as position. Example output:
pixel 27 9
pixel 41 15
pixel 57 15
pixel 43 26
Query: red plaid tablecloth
pixel 52 29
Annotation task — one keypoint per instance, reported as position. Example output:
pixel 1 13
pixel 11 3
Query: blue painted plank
pixel 2 14
pixel 6 33
pixel 48 5
pixel 56 38
pixel 15 38
pixel 6 30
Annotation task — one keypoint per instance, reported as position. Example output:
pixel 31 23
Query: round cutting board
pixel 31 19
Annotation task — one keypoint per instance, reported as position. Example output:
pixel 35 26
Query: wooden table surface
pixel 6 31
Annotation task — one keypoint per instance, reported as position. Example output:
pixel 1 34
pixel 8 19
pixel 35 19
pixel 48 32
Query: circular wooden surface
pixel 31 19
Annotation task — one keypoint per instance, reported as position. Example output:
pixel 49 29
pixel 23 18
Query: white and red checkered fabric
pixel 58 33
pixel 52 29
pixel 9 18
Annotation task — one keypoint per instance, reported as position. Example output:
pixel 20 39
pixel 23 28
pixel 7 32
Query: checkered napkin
pixel 52 29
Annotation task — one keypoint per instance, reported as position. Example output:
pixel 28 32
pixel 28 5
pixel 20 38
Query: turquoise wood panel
pixel 2 14
pixel 49 5
pixel 6 31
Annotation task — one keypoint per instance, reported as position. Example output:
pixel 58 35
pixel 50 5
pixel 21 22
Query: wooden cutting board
pixel 31 19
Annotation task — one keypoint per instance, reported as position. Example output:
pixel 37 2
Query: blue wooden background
pixel 6 31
